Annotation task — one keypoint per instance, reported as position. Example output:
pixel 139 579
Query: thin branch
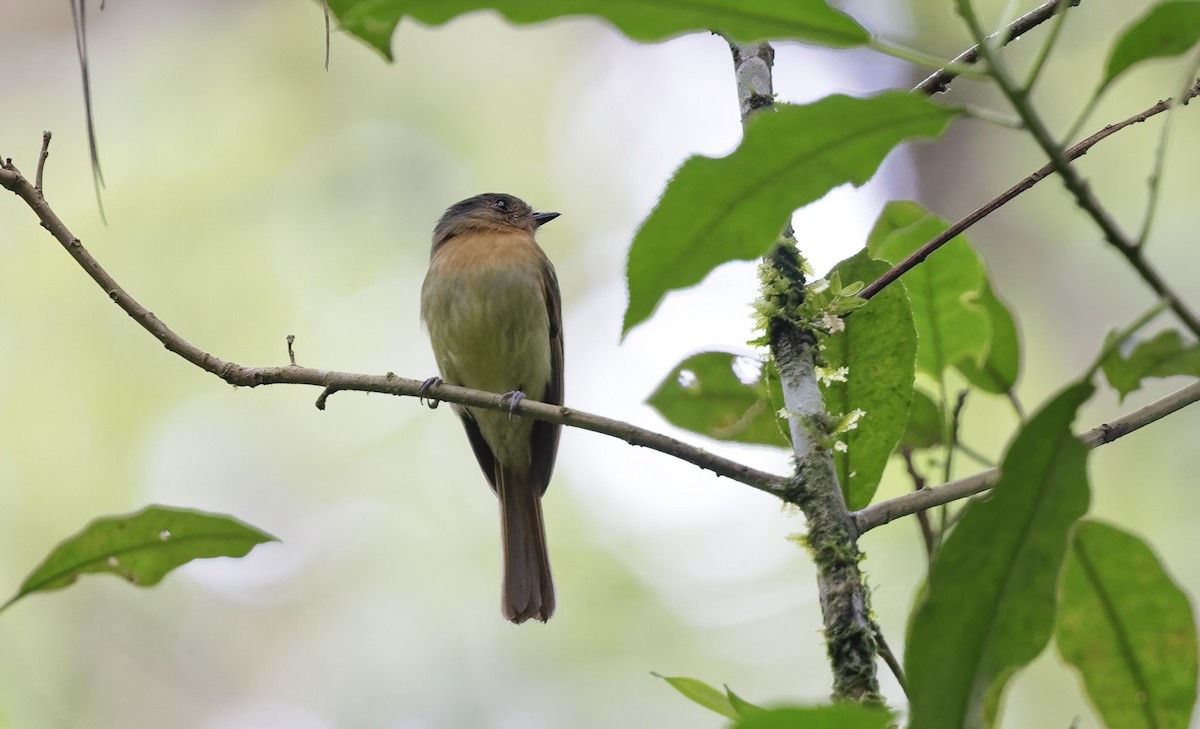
pixel 41 165
pixel 890 658
pixel 922 517
pixel 892 509
pixel 1070 176
pixel 1007 196
pixel 325 8
pixel 79 19
pixel 243 376
pixel 938 82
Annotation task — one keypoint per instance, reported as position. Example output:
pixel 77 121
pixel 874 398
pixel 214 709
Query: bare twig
pixel 41 165
pixel 939 81
pixel 1005 197
pixel 918 480
pixel 79 19
pixel 325 8
pixel 291 340
pixel 890 658
pixel 243 376
pixel 1071 179
pixel 892 509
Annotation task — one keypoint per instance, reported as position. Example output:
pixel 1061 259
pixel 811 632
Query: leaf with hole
pixel 997 373
pixel 811 21
pixel 142 548
pixel 722 396
pixel 1128 629
pixel 733 208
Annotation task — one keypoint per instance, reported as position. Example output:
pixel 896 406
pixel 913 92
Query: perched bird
pixel 491 304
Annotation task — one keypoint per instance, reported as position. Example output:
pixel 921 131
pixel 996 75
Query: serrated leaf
pixel 838 716
pixel 1164 355
pixel 944 290
pixel 142 548
pixel 701 693
pixel 924 429
pixel 733 208
pixel 989 605
pixel 813 21
pixel 878 348
pixel 704 394
pixel 998 372
pixel 1168 29
pixel 1128 630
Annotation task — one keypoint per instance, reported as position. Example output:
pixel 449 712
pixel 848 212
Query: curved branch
pixel 243 376
pixel 911 503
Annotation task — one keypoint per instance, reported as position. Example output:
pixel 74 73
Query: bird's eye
pixel 501 205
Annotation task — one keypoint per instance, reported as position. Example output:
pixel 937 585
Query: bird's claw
pixel 514 399
pixel 423 398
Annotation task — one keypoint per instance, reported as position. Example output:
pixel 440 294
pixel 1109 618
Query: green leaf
pixel 813 21
pixel 924 429
pixel 878 348
pixel 838 716
pixel 944 290
pixel 1169 29
pixel 998 372
pixel 989 606
pixel 703 694
pixel 1164 355
pixel 1128 629
pixel 705 394
pixel 740 705
pixel 733 208
pixel 142 548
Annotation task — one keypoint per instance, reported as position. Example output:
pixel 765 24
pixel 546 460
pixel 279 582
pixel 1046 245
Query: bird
pixel 491 305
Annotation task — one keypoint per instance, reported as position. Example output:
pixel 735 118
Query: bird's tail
pixel 528 590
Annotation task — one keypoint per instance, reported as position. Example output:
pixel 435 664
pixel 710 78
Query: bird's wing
pixel 544 440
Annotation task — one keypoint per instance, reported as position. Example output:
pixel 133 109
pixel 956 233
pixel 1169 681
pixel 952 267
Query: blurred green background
pixel 251 195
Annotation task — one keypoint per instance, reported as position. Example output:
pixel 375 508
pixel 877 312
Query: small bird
pixel 492 307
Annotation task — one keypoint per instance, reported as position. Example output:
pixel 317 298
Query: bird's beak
pixel 543 218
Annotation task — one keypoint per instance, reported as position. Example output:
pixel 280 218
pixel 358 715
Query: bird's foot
pixel 423 398
pixel 514 399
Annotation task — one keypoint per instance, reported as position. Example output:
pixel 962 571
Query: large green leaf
pixel 989 606
pixel 722 396
pixel 945 290
pixel 997 373
pixel 838 716
pixel 878 350
pixel 733 208
pixel 1128 629
pixel 812 21
pixel 1163 355
pixel 1168 29
pixel 142 548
